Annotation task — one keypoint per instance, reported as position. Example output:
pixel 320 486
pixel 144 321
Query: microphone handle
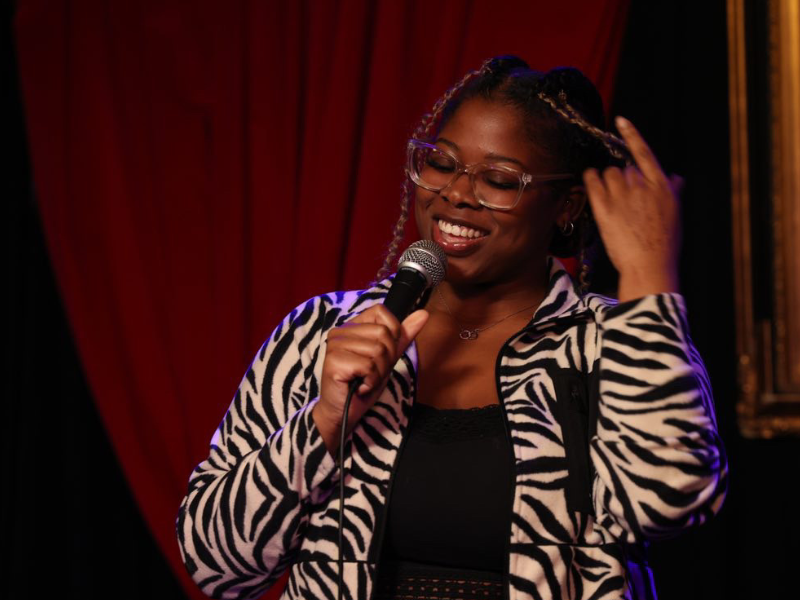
pixel 407 287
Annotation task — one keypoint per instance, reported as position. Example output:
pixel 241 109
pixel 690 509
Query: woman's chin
pixel 460 275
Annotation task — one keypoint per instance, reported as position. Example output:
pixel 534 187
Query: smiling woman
pixel 517 437
pixel 517 229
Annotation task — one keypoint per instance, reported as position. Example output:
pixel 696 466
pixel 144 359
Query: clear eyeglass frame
pixel 460 168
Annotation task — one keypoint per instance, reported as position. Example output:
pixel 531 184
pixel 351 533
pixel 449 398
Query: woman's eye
pixel 501 181
pixel 441 164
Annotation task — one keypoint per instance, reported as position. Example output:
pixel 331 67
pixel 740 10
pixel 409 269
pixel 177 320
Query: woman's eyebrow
pixel 491 156
pixel 501 158
pixel 447 142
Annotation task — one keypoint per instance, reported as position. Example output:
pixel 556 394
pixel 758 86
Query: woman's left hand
pixel 637 213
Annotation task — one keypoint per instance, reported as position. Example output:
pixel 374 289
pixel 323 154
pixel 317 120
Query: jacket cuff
pixel 299 446
pixel 654 325
pixel 668 306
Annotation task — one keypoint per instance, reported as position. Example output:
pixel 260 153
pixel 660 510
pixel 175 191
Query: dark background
pixel 69 524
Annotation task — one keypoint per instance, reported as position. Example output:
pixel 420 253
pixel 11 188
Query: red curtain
pixel 202 167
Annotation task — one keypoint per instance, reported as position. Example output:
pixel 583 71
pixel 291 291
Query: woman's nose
pixel 459 191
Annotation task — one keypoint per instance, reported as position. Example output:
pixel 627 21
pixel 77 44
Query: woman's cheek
pixel 422 203
pixel 423 199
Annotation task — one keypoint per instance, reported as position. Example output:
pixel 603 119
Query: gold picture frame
pixel 764 90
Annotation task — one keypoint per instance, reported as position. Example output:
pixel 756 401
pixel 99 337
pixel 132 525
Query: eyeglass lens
pixel 435 170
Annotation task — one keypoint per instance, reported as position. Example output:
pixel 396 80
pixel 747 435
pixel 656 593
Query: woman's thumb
pixel 409 329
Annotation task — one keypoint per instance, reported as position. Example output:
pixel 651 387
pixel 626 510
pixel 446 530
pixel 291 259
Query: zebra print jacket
pixel 610 417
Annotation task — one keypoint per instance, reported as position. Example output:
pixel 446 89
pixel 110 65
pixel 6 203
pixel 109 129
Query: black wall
pixel 673 83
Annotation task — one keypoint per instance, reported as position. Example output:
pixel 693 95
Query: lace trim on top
pixel 457 424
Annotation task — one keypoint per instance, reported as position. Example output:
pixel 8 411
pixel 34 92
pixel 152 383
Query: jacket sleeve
pixel 659 462
pixel 247 504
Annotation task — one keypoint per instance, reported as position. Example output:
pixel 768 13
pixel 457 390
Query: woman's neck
pixel 482 303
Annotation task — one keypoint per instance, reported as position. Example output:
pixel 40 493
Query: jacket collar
pixel 561 304
pixel 561 301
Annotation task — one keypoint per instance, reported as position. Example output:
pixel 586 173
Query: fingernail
pixel 622 123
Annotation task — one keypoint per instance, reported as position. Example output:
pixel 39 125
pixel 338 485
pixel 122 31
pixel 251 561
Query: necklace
pixel 472 334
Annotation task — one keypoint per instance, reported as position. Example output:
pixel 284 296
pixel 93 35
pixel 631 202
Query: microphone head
pixel 427 258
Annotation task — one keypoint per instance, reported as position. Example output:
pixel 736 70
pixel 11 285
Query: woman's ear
pixel 574 202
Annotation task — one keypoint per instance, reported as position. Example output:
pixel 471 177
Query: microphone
pixel 420 267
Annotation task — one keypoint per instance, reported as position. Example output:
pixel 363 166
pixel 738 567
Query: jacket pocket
pixel 576 412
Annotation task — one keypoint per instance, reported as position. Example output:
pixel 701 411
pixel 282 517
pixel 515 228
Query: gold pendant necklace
pixel 469 334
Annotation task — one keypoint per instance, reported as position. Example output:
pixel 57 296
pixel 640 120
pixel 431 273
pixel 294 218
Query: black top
pixel 450 504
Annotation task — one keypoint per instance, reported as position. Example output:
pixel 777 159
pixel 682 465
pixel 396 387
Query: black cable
pixel 354 385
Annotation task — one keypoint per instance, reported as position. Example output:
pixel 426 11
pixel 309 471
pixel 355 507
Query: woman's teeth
pixel 459 230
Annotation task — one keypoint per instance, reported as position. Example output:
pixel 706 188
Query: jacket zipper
pixel 507 582
pixel 385 515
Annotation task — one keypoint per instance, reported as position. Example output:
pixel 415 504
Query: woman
pixel 516 438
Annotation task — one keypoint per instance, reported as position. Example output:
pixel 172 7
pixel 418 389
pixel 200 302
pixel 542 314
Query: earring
pixel 568 229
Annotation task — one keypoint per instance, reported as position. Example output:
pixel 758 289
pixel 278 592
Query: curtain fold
pixel 203 167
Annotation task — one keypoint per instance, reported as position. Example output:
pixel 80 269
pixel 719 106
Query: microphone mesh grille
pixel 430 256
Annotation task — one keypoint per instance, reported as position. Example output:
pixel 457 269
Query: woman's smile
pixel 456 237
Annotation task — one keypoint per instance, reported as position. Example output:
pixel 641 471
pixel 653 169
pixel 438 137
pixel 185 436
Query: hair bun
pixel 500 65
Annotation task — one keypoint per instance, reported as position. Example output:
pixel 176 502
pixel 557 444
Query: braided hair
pixel 563 115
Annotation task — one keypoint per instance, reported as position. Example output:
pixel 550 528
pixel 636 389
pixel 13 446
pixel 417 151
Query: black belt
pixel 401 580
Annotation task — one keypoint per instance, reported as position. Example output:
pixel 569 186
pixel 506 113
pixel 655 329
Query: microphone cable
pixel 354 385
pixel 420 267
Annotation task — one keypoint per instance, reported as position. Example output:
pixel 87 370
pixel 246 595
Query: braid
pixel 616 147
pixel 422 132
pixel 586 144
pixel 398 231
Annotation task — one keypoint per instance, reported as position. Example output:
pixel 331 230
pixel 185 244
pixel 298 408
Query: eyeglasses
pixel 495 186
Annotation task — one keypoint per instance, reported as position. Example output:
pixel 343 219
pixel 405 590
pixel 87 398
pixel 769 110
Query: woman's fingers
pixel 379 322
pixel 369 345
pixel 595 190
pixel 633 177
pixel 366 347
pixel 614 181
pixel 636 212
pixel 366 338
pixel 379 315
pixel 348 366
pixel 642 155
pixel 365 350
pixel 381 351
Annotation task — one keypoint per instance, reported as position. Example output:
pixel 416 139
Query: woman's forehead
pixel 486 114
pixel 481 129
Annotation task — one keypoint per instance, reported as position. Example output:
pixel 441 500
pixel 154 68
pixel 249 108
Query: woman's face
pixel 510 245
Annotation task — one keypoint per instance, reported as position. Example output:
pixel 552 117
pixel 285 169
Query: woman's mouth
pixel 457 240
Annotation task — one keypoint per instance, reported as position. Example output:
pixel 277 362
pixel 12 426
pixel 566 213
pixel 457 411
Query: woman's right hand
pixel 367 347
